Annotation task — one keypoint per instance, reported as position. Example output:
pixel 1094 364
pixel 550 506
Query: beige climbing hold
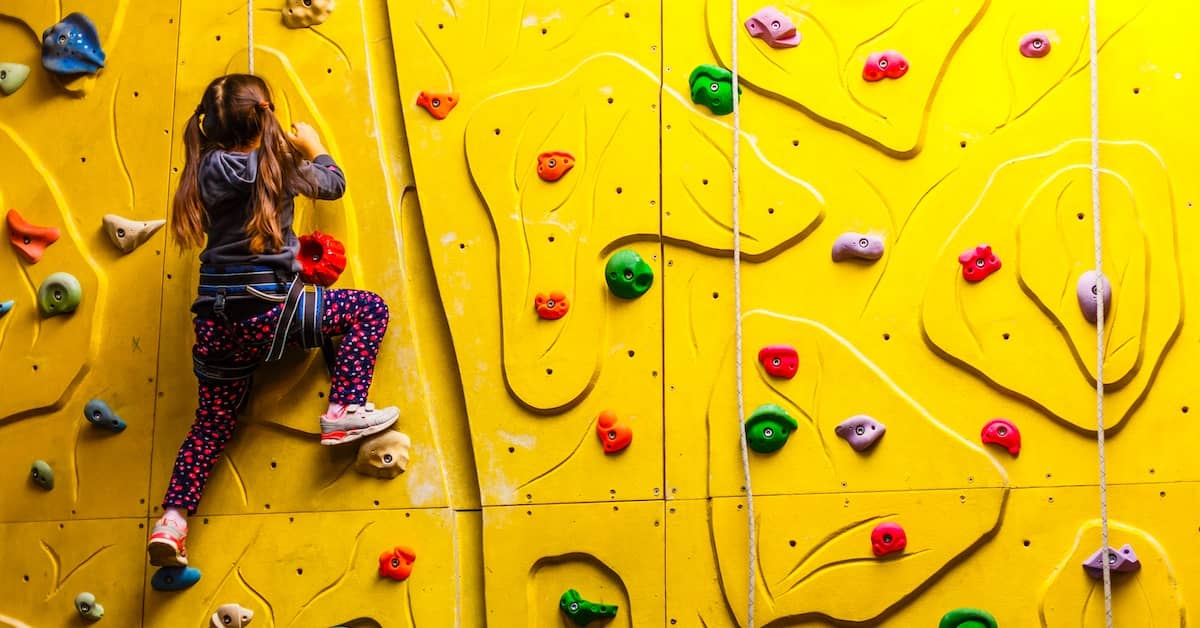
pixel 231 616
pixel 384 456
pixel 305 13
pixel 128 234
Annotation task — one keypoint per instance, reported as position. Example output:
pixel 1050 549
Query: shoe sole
pixel 340 438
pixel 164 554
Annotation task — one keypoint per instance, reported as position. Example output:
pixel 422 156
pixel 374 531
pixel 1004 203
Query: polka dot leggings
pixel 360 317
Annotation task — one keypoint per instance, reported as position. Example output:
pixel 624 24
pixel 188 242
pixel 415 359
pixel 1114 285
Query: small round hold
pixel 60 293
pixel 1035 45
pixel 88 608
pixel 42 475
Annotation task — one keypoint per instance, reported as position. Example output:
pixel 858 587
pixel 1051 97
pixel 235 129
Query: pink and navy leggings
pixel 360 317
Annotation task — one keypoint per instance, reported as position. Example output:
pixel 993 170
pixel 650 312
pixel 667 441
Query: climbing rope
pixel 250 36
pixel 752 558
pixel 1100 282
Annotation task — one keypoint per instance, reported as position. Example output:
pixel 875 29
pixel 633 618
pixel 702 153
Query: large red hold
pixel 31 240
pixel 322 259
pixel 397 563
pixel 978 263
pixel 888 538
pixel 779 360
pixel 613 434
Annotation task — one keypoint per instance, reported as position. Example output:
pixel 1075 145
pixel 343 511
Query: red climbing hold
pixel 438 105
pixel 1002 432
pixel 31 241
pixel 551 307
pixel 613 434
pixel 397 563
pixel 978 263
pixel 888 538
pixel 881 65
pixel 554 166
pixel 779 360
pixel 322 259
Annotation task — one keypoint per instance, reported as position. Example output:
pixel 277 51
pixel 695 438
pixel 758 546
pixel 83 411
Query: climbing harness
pixel 301 315
pixel 752 557
pixel 1098 240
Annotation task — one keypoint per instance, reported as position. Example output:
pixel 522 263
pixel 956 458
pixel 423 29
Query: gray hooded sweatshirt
pixel 226 182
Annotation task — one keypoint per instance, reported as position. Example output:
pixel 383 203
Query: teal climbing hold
pixel 6 307
pixel 712 87
pixel 88 608
pixel 628 275
pixel 100 415
pixel 768 428
pixel 42 475
pixel 12 77
pixel 581 611
pixel 60 293
pixel 174 578
pixel 967 618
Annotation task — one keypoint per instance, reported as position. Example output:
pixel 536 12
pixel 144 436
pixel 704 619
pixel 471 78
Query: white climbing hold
pixel 128 234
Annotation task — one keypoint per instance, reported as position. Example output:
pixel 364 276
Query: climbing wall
pixel 542 192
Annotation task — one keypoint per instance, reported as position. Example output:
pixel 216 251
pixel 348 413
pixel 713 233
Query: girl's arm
pixel 323 171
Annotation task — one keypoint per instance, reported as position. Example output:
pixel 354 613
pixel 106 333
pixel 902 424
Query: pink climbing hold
pixel 1002 432
pixel 881 65
pixel 978 263
pixel 773 27
pixel 1035 45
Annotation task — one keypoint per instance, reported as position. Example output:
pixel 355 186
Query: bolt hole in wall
pixel 1026 542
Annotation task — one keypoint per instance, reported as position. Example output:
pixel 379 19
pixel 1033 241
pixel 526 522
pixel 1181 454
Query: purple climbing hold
pixel 1123 560
pixel 1090 291
pixel 773 27
pixel 861 431
pixel 851 245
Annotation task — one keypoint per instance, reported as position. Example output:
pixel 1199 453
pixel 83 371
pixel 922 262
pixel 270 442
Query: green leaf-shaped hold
pixel 12 77
pixel 967 618
pixel 41 474
pixel 583 612
pixel 768 428
pixel 88 608
pixel 712 87
pixel 60 293
pixel 628 275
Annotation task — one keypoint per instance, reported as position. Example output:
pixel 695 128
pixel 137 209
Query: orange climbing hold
pixel 553 166
pixel 397 563
pixel 30 240
pixel 551 307
pixel 613 434
pixel 438 105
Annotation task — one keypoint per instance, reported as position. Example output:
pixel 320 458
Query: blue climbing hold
pixel 100 415
pixel 72 46
pixel 174 578
pixel 6 307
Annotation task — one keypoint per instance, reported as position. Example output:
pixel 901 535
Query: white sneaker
pixel 357 422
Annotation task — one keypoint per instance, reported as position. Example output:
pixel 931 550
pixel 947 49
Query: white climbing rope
pixel 752 535
pixel 250 36
pixel 1100 282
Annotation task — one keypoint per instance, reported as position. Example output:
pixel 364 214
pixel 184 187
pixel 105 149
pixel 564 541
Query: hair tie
pixel 266 105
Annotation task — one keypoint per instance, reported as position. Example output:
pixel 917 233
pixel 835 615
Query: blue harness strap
pixel 301 315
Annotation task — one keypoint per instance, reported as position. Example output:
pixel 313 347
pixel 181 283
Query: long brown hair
pixel 235 111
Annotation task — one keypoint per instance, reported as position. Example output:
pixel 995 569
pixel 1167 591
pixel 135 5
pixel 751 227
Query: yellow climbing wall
pixel 510 498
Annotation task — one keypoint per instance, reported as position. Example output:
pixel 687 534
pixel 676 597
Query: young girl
pixel 237 188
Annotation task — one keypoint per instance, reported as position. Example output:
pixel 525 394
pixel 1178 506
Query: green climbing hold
pixel 60 293
pixel 88 608
pixel 42 474
pixel 712 87
pixel 628 275
pixel 967 618
pixel 12 77
pixel 583 612
pixel 768 428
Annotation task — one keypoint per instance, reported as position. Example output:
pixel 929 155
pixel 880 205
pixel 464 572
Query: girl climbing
pixel 237 188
